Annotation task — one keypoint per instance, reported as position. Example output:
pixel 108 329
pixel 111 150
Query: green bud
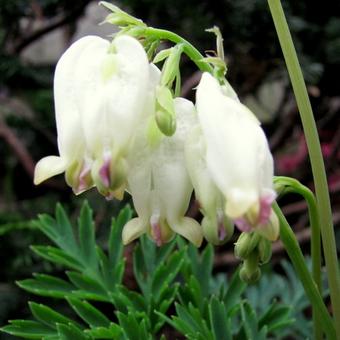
pixel 270 230
pixel 165 123
pixel 119 17
pixel 250 271
pixel 165 111
pixel 250 277
pixel 264 249
pixel 171 65
pixel 161 55
pixel 245 245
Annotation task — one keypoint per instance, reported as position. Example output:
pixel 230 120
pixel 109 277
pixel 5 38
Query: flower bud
pixel 250 271
pixel 246 244
pixel 264 249
pixel 271 229
pixel 165 111
pixel 119 17
pixel 165 122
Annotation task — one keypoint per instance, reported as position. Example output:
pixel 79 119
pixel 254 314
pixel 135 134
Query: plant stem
pixel 294 186
pixel 295 254
pixel 191 51
pixel 316 159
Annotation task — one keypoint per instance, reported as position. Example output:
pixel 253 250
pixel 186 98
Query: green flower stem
pixel 294 186
pixel 316 159
pixel 295 254
pixel 192 52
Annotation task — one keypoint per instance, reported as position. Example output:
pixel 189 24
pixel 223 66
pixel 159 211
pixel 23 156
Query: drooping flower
pixel 238 158
pixel 100 91
pixel 159 183
pixel 217 227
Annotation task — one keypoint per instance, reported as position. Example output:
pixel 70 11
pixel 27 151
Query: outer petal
pixel 235 146
pixel 133 229
pixel 112 102
pixel 205 189
pixel 140 155
pixel 48 167
pixel 68 115
pixel 170 176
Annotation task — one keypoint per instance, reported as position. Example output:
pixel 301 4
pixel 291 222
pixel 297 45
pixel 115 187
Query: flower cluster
pixel 120 129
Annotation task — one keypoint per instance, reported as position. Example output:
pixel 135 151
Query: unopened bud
pixel 250 271
pixel 165 122
pixel 264 249
pixel 270 230
pixel 245 245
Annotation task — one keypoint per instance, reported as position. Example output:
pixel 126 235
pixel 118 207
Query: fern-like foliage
pixel 176 277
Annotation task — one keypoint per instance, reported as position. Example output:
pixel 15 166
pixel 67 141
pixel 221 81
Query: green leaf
pixel 115 239
pixel 161 55
pixel 48 316
pixel 69 332
pixel 166 273
pixel 47 285
pixel 114 331
pixel 28 329
pixel 89 285
pixel 88 313
pixel 133 329
pixel 57 256
pixel 87 237
pixel 250 323
pixel 276 317
pixel 192 317
pixel 127 300
pixel 220 324
pixel 233 294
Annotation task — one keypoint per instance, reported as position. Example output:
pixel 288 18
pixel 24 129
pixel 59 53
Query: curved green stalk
pixel 295 254
pixel 316 158
pixel 294 186
pixel 192 52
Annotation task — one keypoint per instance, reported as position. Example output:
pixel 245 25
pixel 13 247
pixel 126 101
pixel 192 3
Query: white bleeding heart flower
pixel 238 158
pixel 160 185
pixel 217 227
pixel 100 92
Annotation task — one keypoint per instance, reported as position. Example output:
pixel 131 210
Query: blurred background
pixel 33 35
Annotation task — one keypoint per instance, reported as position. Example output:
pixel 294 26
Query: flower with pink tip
pixel 238 158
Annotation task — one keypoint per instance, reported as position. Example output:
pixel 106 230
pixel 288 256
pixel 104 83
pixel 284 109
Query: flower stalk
pixel 293 249
pixel 315 153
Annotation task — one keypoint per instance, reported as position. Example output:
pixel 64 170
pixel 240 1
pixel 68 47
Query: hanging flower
pixel 100 92
pixel 238 158
pixel 159 183
pixel 217 227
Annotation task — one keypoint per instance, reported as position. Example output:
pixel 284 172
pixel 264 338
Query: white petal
pixel 236 146
pixel 48 167
pixel 133 229
pixel 70 136
pixel 112 104
pixel 170 176
pixel 188 228
pixel 205 189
